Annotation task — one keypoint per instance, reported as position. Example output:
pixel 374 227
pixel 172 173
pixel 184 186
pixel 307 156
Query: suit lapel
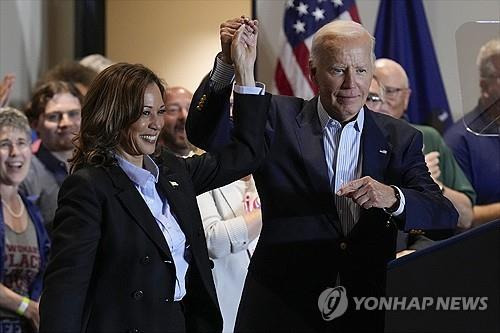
pixel 170 186
pixel 134 204
pixel 376 149
pixel 310 138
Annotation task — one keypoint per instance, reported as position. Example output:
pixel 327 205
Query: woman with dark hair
pixel 24 244
pixel 129 252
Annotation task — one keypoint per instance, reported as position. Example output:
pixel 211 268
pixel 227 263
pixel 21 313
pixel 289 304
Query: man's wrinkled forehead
pixel 331 44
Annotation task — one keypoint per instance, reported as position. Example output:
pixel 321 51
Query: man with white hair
pixel 337 182
pixel 475 139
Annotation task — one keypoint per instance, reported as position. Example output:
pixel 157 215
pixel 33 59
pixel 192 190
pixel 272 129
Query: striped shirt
pixel 344 161
pixel 342 147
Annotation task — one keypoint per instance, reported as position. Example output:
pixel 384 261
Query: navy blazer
pixel 302 250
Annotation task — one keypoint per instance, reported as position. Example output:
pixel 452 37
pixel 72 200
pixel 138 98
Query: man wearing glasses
pixel 390 94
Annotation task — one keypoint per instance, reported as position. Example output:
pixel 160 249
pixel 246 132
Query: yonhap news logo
pixel 333 303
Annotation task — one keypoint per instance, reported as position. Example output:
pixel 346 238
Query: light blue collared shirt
pixel 144 181
pixel 344 159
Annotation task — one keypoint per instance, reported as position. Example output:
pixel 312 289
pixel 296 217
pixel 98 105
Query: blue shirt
pixel 479 158
pixel 145 180
pixel 344 159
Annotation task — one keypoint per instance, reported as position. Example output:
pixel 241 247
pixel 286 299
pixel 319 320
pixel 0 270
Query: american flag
pixel 302 19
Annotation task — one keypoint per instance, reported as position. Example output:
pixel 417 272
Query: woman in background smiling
pixel 24 244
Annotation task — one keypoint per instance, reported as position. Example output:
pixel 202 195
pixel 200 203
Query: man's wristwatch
pixel 395 206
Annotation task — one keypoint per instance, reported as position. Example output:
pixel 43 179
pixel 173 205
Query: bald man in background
pixel 443 167
pixel 173 135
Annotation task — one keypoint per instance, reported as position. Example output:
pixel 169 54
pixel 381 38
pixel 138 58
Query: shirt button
pixel 167 300
pixel 138 295
pixel 146 260
pixel 167 261
pixel 343 245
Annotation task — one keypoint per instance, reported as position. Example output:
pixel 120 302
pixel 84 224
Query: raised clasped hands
pixel 244 53
pixel 228 30
pixel 368 193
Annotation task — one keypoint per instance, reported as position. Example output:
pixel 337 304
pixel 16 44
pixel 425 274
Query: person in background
pixel 335 173
pixel 24 244
pixel 230 214
pixel 442 166
pixel 96 62
pixel 478 155
pixel 173 135
pixel 5 88
pixel 409 242
pixel 70 71
pixel 232 221
pixel 129 252
pixel 54 113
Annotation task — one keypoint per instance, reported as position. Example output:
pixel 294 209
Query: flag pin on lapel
pixel 174 184
pixel 383 151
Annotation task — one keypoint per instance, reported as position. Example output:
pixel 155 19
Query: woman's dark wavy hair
pixel 44 93
pixel 114 102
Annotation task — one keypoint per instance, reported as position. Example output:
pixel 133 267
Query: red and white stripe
pixel 292 70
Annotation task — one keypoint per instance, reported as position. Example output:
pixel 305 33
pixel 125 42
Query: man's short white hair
pixel 485 57
pixel 341 30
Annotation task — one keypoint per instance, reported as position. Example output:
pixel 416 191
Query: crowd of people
pixel 132 205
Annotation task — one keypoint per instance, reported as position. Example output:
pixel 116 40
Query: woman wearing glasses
pixel 24 244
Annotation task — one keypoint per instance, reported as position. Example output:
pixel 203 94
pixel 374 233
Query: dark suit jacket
pixel 301 249
pixel 111 269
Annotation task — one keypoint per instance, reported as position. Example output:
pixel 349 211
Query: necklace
pixel 11 211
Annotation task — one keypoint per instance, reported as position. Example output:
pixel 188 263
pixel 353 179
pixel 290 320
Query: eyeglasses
pixel 392 91
pixel 56 116
pixel 373 101
pixel 373 98
pixel 8 145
